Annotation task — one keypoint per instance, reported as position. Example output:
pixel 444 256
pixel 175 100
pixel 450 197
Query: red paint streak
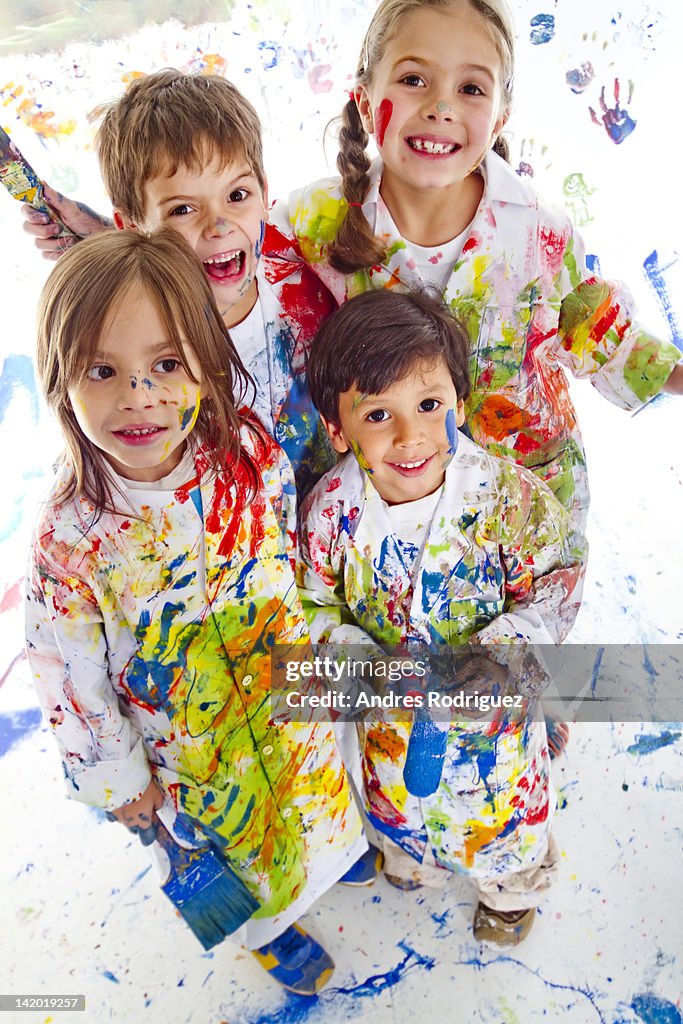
pixel 382 118
pixel 472 242
pixel 12 596
pixel 307 303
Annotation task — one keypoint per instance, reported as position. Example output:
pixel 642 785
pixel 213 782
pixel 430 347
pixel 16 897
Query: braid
pixel 355 246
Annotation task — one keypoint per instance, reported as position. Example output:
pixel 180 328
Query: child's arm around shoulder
pixel 544 558
pixel 104 759
pixel 320 571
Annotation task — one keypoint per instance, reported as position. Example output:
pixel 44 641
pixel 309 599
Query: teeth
pixel 141 432
pixel 428 146
pixel 411 465
pixel 223 259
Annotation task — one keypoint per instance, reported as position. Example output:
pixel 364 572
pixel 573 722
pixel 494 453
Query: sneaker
pixel 558 736
pixel 366 868
pixel 502 928
pixel 405 884
pixel 296 961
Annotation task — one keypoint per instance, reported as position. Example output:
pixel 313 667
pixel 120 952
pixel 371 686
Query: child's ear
pixel 364 108
pixel 499 125
pixel 336 436
pixel 460 413
pixel 121 221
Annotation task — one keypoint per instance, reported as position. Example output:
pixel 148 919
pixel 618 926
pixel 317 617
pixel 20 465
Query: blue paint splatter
pixel 653 1010
pixel 270 54
pixel 17 372
pixel 299 1008
pixel 542 29
pixel 596 670
pixel 655 270
pixel 15 725
pixel 187 417
pixel 646 744
pixel 110 977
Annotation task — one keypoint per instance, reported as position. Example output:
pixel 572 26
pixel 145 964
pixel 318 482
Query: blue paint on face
pixel 655 270
pixel 452 431
pixel 187 417
pixel 646 744
pixel 653 1010
pixel 16 725
pixel 147 382
pixel 133 382
pixel 258 249
pixel 542 29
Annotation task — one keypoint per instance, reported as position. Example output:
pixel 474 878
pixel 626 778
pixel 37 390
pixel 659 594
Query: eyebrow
pixel 152 350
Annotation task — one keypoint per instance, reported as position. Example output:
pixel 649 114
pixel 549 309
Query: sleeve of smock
pixel 320 574
pixel 544 557
pixel 103 757
pixel 598 336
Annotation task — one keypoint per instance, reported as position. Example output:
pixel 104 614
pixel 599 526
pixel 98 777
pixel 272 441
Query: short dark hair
pixel 375 339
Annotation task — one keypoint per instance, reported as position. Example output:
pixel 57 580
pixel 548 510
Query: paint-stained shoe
pixel 558 736
pixel 502 928
pixel 366 869
pixel 404 884
pixel 296 961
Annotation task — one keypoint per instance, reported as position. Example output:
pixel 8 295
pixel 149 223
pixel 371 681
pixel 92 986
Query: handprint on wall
pixel 616 120
pixel 575 192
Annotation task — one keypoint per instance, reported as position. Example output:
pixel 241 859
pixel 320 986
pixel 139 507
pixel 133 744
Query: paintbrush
pixel 200 884
pixel 22 182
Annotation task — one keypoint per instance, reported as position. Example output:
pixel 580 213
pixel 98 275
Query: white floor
pixel 81 911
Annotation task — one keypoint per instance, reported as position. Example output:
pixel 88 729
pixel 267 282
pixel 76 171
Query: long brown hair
pixel 356 247
pixel 75 305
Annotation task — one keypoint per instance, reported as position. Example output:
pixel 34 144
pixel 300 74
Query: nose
pixel 137 392
pixel 216 224
pixel 440 111
pixel 409 433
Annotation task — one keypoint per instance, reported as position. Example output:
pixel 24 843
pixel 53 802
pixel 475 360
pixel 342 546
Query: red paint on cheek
pixel 382 118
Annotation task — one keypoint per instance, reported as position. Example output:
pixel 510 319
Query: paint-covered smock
pixel 500 561
pixel 522 287
pixel 273 341
pixel 149 638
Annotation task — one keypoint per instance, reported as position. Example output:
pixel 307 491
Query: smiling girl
pixel 161 577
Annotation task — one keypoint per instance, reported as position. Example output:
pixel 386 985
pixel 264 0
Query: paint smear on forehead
pixel 382 118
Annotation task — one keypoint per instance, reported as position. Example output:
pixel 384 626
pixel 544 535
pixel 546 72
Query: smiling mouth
pixel 138 435
pixel 433 148
pixel 225 266
pixel 412 468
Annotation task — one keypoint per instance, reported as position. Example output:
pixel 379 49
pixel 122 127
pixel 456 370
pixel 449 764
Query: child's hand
pixel 139 816
pixel 78 217
pixel 481 676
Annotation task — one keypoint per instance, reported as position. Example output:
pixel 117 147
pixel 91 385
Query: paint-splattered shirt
pixel 531 307
pixel 501 563
pixel 149 637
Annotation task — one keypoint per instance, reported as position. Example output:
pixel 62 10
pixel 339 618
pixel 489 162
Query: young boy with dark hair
pixel 419 538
